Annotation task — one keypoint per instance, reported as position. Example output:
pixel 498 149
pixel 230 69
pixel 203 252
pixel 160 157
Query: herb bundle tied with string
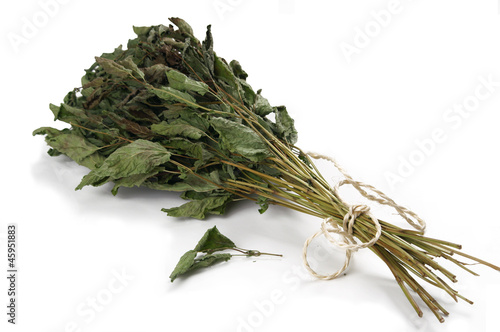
pixel 168 113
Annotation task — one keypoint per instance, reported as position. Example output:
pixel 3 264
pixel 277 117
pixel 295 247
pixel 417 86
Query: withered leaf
pixel 165 113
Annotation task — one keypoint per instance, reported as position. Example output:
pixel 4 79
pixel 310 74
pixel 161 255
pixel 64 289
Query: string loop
pixel 345 232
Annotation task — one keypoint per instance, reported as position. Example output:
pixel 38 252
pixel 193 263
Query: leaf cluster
pixel 204 254
pixel 162 114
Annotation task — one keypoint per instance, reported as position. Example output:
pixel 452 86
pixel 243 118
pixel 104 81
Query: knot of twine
pixel 345 232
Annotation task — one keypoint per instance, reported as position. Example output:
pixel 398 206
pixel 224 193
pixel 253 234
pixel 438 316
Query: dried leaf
pixel 285 125
pixel 184 264
pixel 200 208
pixel 214 240
pixel 240 139
pixel 211 241
pixel 176 129
pixel 113 68
pixel 74 146
pixel 138 157
pixel 179 81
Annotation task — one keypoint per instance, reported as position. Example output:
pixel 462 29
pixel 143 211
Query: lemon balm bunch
pixel 169 114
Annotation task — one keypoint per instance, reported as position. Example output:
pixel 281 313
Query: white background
pixel 368 110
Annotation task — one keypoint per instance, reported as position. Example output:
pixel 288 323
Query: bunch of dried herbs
pixel 168 113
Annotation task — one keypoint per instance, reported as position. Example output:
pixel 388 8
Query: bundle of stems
pixel 169 114
pixel 408 253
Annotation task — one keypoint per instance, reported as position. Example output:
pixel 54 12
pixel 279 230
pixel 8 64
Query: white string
pixel 347 241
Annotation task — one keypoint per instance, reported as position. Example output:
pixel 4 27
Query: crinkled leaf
pixel 130 64
pixel 208 50
pixel 142 31
pixel 170 94
pixel 173 42
pixel 285 125
pixel 211 241
pixel 178 128
pixel 190 182
pixel 132 126
pixel 240 139
pixel 72 145
pixel 184 264
pixel 179 81
pixel 156 73
pixel 113 68
pixel 262 106
pixel 138 157
pixel 248 93
pixel 196 150
pixel 200 208
pixel 196 62
pixel 209 260
pixel 204 261
pixel 95 83
pixel 194 119
pixel 134 180
pixel 49 131
pixel 238 70
pixel 264 204
pixel 195 195
pixel 224 73
pixel 214 240
pixel 67 113
pixel 182 25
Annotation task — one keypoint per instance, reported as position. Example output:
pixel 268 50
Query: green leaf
pixel 182 25
pixel 196 62
pixel 184 264
pixel 195 195
pixel 156 73
pixel 285 125
pixel 240 139
pixel 113 68
pixel 208 50
pixel 168 93
pixel 237 70
pixel 224 73
pixel 209 260
pixel 264 204
pixel 49 131
pixel 248 93
pixel 193 118
pixel 194 264
pixel 200 208
pixel 142 31
pixel 138 157
pixel 179 81
pixel 190 182
pixel 135 180
pixel 72 145
pixel 95 83
pixel 131 126
pixel 177 128
pixel 130 64
pixel 262 106
pixel 196 150
pixel 213 240
pixel 173 42
pixel 68 113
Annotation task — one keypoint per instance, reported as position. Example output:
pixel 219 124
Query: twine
pixel 347 241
